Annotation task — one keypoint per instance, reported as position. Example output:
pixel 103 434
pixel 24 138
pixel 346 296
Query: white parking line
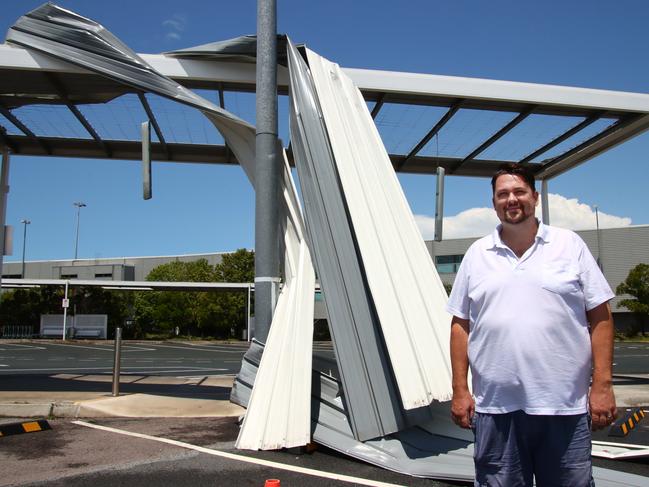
pixel 242 458
pixel 81 346
pixel 195 347
pixel 4 365
pixel 124 369
pixel 26 349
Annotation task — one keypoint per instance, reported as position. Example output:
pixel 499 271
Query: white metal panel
pixel 607 449
pixel 407 292
pixel 278 414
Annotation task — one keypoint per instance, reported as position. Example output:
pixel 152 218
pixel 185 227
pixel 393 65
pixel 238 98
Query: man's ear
pixel 536 198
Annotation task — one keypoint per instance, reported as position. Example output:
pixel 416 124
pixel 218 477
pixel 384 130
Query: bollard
pixel 116 362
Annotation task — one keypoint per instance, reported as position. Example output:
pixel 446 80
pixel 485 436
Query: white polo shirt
pixel 529 341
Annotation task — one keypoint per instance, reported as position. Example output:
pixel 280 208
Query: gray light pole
pixel 25 222
pixel 267 172
pixel 599 240
pixel 78 205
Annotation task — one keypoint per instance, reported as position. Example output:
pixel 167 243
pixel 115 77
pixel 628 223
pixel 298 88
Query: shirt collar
pixel 542 234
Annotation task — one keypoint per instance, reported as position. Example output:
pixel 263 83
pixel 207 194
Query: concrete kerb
pixel 127 406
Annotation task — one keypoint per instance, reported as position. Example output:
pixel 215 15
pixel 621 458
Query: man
pixel 532 321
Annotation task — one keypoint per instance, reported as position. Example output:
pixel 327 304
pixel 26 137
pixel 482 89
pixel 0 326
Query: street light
pixel 25 222
pixel 79 205
pixel 599 240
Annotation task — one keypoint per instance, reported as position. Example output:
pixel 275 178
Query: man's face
pixel 514 201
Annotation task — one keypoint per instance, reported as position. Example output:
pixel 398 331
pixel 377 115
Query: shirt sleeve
pixel 458 300
pixel 594 285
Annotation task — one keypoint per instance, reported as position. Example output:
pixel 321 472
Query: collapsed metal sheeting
pixel 370 392
pixel 436 448
pixel 408 295
pixel 286 385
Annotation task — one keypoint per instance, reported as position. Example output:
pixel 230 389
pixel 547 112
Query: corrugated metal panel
pixel 370 392
pixel 80 41
pixel 408 295
pixel 278 414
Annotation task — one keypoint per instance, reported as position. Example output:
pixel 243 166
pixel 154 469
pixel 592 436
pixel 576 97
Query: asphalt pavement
pixel 179 392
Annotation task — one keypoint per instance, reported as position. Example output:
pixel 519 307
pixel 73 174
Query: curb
pixel 43 410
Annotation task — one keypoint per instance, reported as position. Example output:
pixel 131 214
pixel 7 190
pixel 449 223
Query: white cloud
pixel 564 212
pixel 174 26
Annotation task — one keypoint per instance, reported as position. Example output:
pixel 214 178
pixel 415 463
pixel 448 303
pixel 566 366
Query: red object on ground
pixel 272 483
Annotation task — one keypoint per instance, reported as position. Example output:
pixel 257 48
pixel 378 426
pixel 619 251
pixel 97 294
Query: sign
pixel 66 303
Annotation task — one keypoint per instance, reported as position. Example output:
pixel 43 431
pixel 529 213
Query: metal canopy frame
pixel 43 80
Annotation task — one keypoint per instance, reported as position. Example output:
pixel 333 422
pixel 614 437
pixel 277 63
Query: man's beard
pixel 521 216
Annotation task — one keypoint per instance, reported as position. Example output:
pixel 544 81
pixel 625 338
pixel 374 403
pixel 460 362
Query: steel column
pixel 4 191
pixel 545 208
pixel 439 204
pixel 267 170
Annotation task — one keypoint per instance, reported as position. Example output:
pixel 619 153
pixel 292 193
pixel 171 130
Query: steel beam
pixel 154 122
pixel 23 128
pixel 438 126
pixel 491 140
pixel 613 135
pixel 569 133
pixel 378 105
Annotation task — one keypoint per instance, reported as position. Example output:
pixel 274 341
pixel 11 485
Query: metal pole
pixel 267 170
pixel 545 206
pixel 25 222
pixel 599 240
pixel 79 205
pixel 439 204
pixel 65 307
pixel 248 337
pixel 4 191
pixel 116 361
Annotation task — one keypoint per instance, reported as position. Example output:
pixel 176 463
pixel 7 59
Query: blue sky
pixel 201 208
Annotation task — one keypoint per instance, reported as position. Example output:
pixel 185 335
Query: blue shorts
pixel 513 449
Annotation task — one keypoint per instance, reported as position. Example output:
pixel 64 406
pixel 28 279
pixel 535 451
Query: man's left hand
pixel 602 406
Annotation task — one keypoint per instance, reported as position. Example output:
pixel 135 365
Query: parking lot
pixel 169 451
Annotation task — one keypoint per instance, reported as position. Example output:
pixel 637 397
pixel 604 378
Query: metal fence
pixel 17 331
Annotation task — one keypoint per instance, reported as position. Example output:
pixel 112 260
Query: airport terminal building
pixel 618 251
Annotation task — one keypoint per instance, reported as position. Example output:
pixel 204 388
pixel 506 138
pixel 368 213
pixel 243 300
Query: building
pixel 617 249
pixel 113 269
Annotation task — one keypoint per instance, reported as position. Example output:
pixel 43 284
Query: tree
pixel 238 266
pixel 637 285
pixel 208 313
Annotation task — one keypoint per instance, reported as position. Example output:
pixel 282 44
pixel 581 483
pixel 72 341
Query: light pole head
pixel 25 221
pixel 79 204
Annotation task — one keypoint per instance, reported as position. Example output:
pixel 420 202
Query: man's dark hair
pixel 517 170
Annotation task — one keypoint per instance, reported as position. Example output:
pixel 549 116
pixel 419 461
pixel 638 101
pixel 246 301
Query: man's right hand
pixel 462 408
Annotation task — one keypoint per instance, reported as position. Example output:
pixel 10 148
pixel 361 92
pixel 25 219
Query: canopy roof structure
pixel 467 126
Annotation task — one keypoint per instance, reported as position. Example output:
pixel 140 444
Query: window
pixel 448 264
pixel 68 276
pixel 12 276
pixel 109 275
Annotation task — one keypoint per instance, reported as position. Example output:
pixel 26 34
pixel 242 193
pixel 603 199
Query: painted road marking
pixel 4 365
pixel 242 458
pixel 195 347
pixel 187 369
pixel 106 348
